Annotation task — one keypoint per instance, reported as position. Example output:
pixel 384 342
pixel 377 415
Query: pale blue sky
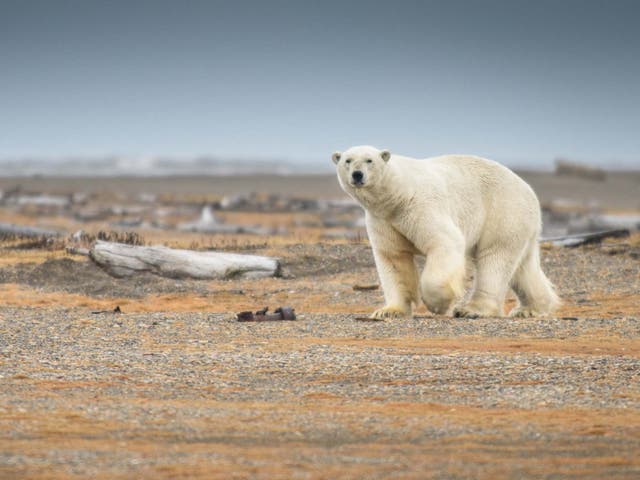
pixel 519 81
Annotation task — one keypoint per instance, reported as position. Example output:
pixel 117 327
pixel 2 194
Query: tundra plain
pixel 174 387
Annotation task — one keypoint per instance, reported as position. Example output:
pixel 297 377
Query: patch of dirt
pixel 86 278
pixel 320 277
pixel 312 260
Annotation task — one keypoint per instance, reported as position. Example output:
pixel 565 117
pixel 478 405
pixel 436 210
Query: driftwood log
pixel 122 260
pixel 586 238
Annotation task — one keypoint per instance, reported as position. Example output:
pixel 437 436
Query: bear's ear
pixel 336 157
pixel 386 155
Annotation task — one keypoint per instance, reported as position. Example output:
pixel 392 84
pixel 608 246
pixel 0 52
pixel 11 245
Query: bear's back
pixel 471 189
pixel 471 171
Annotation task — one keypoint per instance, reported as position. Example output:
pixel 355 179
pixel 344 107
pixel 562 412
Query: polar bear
pixel 450 209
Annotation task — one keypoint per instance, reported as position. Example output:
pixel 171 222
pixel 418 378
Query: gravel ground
pixel 180 391
pixel 203 396
pixel 176 388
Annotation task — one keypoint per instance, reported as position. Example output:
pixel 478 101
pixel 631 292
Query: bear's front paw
pixel 439 308
pixel 390 312
pixel 438 301
pixel 463 312
pixel 524 312
pixel 472 310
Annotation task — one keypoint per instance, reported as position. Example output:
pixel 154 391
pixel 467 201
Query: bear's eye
pixel 369 160
pixel 347 161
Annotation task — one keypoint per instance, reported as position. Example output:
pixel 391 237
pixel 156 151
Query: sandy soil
pixel 174 387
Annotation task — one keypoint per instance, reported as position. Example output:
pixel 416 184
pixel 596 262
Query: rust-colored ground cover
pixel 175 388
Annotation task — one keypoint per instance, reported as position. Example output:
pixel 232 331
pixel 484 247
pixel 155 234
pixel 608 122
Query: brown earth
pixel 176 388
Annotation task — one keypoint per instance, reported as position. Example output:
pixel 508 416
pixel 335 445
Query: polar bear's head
pixel 360 167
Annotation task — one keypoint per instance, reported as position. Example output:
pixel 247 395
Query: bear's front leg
pixel 393 255
pixel 443 277
pixel 399 280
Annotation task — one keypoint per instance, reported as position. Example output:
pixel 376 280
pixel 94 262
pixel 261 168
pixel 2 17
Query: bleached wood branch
pixel 122 260
pixel 586 238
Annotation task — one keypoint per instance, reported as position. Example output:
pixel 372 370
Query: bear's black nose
pixel 357 176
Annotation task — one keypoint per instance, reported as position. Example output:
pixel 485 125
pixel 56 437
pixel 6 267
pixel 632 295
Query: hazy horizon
pixel 520 82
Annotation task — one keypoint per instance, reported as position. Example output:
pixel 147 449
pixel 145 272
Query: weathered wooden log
pixel 122 260
pixel 586 238
pixel 23 231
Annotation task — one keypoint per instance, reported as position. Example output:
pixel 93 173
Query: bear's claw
pixel 475 311
pixel 524 312
pixel 390 312
pixel 463 313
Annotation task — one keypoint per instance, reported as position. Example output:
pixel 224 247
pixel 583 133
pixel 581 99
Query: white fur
pixel 449 209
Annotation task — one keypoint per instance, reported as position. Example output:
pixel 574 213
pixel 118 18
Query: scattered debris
pixel 344 221
pixel 260 202
pixel 129 222
pixel 209 224
pixel 370 286
pixel 576 169
pixel 356 235
pixel 368 319
pixel 562 206
pixel 586 238
pixel 122 260
pixel 72 250
pixel 616 249
pixel 560 221
pixel 129 238
pixel 621 249
pixel 115 310
pixel 629 221
pixel 80 198
pixel 147 198
pixel 43 200
pixel 11 230
pixel 129 210
pixel 92 214
pixel 33 243
pixel 79 235
pixel 280 313
pixel 79 242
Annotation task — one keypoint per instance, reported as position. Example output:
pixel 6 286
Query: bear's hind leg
pixel 535 292
pixel 494 269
